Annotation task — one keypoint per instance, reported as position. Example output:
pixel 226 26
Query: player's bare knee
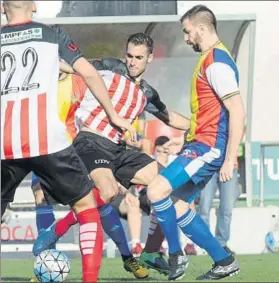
pixel 106 183
pixel 108 189
pixel 146 175
pixel 87 202
pixel 158 189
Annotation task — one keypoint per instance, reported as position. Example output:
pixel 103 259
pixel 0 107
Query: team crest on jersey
pixel 188 153
pixel 23 35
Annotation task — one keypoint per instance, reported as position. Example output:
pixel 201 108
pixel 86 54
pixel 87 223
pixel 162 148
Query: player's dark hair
pixel 141 39
pixel 202 14
pixel 161 140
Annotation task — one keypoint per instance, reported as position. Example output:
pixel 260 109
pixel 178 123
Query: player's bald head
pixel 15 8
pixel 200 14
pixel 14 5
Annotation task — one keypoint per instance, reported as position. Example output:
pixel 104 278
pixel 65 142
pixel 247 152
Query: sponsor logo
pixel 102 161
pixel 114 228
pixel 19 36
pixel 18 233
pixel 188 153
pixel 72 46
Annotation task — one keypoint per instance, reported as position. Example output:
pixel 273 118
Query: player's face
pixel 191 35
pixel 160 153
pixel 137 57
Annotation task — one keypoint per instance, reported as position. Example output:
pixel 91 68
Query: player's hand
pixel 136 143
pixel 174 145
pixel 124 125
pixel 131 200
pixel 226 171
pixel 121 189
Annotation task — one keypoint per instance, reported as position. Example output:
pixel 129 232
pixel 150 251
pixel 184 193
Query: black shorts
pixel 99 152
pixel 62 175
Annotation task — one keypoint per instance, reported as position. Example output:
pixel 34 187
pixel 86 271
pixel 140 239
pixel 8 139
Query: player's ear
pixel 150 58
pixel 34 8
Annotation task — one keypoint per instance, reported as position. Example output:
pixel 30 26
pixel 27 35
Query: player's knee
pixel 109 190
pixel 158 189
pixel 133 203
pixel 147 174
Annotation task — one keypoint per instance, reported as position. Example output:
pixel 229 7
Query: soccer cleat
pixel 132 265
pixel 154 261
pixel 190 249
pixel 34 279
pixel 218 271
pixel 229 251
pixel 136 250
pixel 178 263
pixel 46 238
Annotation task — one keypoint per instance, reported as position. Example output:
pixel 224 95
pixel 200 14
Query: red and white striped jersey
pixel 128 101
pixel 30 123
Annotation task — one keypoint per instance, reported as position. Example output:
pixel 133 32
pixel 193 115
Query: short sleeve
pixel 68 49
pixel 222 79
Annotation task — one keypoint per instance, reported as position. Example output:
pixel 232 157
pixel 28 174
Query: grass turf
pixel 254 268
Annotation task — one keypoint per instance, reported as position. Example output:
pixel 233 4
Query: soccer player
pixel 97 143
pixel 29 71
pixel 71 91
pixel 215 133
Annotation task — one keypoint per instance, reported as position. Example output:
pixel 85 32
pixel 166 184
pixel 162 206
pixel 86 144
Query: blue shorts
pixel 196 164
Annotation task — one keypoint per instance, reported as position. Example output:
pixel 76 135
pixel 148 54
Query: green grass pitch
pixel 254 268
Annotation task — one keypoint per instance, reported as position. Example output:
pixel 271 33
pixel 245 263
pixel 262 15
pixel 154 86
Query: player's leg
pixel 130 207
pixel 190 248
pixel 151 257
pixel 98 154
pixel 224 215
pixel 64 177
pixel 187 169
pixel 64 224
pixel 141 169
pixel 117 234
pixel 206 198
pixel 44 211
pixel 12 174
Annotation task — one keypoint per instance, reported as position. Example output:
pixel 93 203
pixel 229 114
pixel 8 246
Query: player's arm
pixel 222 79
pixel 66 68
pixel 178 121
pixel 170 118
pixel 69 52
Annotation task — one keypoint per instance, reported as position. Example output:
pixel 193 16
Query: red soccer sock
pixel 64 224
pixel 91 243
pixel 98 198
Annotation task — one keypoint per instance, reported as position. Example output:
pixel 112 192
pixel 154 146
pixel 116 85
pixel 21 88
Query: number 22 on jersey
pixel 29 61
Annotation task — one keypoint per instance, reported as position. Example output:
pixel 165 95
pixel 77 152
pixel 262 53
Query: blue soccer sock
pixel 193 226
pixel 113 227
pixel 166 215
pixel 44 218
